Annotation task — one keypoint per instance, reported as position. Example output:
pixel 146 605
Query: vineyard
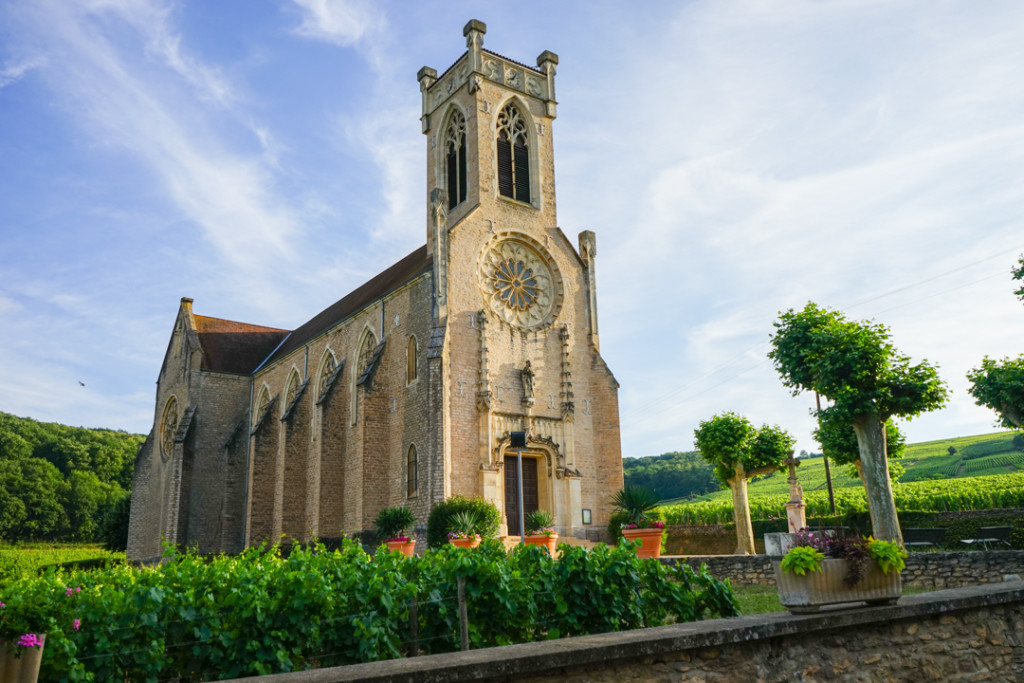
pixel 973 493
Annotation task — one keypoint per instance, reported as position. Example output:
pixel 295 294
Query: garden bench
pixel 990 535
pixel 923 538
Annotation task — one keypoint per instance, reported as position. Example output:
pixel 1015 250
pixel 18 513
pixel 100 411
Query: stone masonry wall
pixel 965 634
pixel 924 570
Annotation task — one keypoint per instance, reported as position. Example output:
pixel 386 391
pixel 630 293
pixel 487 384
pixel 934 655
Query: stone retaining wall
pixel 974 633
pixel 924 570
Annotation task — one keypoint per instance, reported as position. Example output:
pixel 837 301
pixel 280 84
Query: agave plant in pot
pixel 638 503
pixel 392 524
pixel 825 570
pixel 540 530
pixel 463 528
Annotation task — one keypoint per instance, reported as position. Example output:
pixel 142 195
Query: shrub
pixel 439 521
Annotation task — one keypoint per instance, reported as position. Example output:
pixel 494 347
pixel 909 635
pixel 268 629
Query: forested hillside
pixel 60 483
pixel 671 475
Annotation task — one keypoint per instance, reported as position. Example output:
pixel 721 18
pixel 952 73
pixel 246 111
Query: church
pixel 406 390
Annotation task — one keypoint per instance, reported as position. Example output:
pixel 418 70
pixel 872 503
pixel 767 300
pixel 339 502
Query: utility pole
pixel 824 456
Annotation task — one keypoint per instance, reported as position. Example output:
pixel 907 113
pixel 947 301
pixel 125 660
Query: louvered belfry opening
pixel 513 155
pixel 455 159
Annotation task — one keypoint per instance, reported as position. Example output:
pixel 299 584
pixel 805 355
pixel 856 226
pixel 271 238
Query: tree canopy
pixel 671 475
pixel 853 364
pixel 60 483
pixel 999 385
pixel 739 451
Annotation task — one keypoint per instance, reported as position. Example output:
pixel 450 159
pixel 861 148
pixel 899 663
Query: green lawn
pixel 764 599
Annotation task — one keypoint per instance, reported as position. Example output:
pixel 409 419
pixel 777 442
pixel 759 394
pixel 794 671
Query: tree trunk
pixel 741 513
pixel 874 471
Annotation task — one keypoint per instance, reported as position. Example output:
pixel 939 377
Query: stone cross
pixel 795 507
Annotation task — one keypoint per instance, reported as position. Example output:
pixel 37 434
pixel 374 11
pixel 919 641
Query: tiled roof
pixel 384 282
pixel 234 347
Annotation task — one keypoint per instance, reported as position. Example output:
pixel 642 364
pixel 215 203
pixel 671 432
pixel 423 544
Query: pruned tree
pixel 838 440
pixel 740 452
pixel 855 365
pixel 999 385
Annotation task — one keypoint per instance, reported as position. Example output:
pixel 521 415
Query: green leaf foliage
pixel 259 613
pixel 636 502
pixel 59 483
pixel 801 560
pixel 729 440
pixel 839 442
pixel 999 385
pixel 392 522
pixel 890 556
pixel 853 364
pixel 671 475
pixel 439 521
pixel 1018 274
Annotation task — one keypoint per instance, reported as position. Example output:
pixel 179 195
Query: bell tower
pixel 488 122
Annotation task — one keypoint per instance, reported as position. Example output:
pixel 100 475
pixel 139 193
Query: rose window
pixel 520 281
pixel 516 285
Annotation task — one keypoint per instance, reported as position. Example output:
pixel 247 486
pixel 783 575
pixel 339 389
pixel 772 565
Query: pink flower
pixel 30 640
pixel 77 623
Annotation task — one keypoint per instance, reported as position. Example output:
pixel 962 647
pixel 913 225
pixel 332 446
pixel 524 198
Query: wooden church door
pixel 530 492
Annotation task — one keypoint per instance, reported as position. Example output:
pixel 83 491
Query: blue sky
pixel 735 158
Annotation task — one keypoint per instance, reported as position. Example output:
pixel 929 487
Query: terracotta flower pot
pixel 23 669
pixel 407 547
pixel 551 542
pixel 650 541
pixel 805 594
pixel 465 542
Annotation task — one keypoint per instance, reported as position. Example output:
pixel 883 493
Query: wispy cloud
pixel 342 22
pixel 157 108
pixel 15 70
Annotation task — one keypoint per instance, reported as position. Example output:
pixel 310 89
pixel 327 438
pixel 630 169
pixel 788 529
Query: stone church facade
pixel 406 391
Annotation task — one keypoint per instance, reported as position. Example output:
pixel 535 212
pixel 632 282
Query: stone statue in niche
pixel 526 374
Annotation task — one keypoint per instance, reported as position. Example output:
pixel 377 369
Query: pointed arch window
pixel 412 472
pixel 168 427
pixel 327 368
pixel 455 159
pixel 411 374
pixel 366 350
pixel 293 389
pixel 513 154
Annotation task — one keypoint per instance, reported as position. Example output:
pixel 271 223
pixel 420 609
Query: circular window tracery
pixel 520 282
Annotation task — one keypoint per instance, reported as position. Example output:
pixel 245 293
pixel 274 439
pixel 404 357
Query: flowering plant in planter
pixel 392 522
pixel 809 549
pixel 825 570
pixel 539 523
pixel 463 525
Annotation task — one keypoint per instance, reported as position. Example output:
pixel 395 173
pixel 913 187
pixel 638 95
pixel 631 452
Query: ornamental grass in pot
pixel 640 525
pixel 825 570
pixel 392 524
pixel 463 529
pixel 540 530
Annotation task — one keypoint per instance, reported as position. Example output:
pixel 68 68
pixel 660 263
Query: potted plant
pixel 637 504
pixel 540 530
pixel 822 570
pixel 391 524
pixel 462 529
pixel 24 620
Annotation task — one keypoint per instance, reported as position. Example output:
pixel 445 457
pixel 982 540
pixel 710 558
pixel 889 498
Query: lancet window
pixel 513 154
pixel 455 159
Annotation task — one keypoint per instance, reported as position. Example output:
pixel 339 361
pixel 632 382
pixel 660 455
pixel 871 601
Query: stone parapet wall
pixel 974 633
pixel 924 570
